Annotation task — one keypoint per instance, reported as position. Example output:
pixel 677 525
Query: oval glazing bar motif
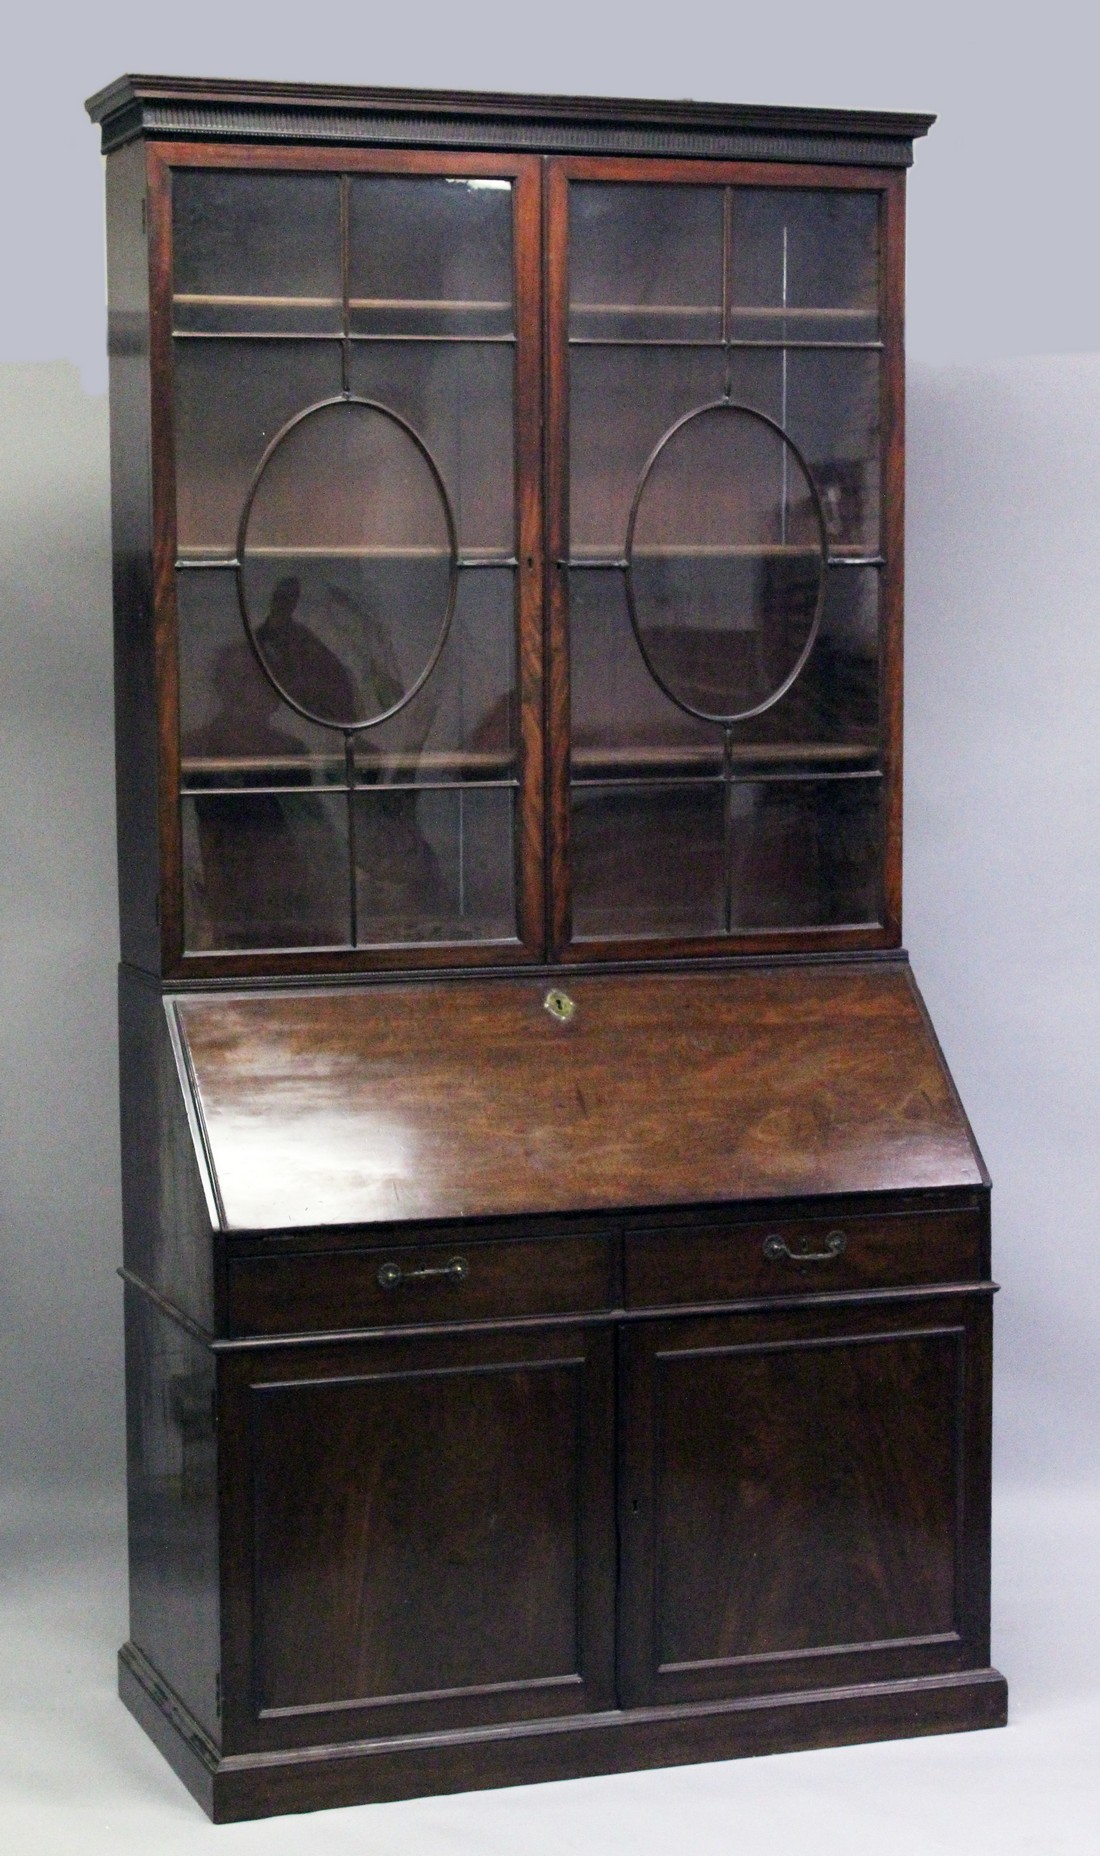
pixel 744 569
pixel 347 563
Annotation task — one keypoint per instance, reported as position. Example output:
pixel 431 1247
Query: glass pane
pixel 234 728
pixel 828 403
pixel 806 853
pixel 462 724
pixel 231 400
pixel 830 715
pixel 645 263
pixel 805 264
pixel 265 870
pixel 725 563
pixel 258 252
pixel 622 721
pixel 622 402
pixel 347 564
pixel 435 866
pixel 458 399
pixel 647 860
pixel 431 256
pixel 833 417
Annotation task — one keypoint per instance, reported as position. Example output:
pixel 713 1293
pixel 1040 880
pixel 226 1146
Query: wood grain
pixel 447 1101
pixel 716 1263
pixel 817 1538
pixel 427 1539
pixel 312 1292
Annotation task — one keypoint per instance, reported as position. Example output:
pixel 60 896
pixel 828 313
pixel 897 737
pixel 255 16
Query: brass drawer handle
pixel 391 1275
pixel 777 1250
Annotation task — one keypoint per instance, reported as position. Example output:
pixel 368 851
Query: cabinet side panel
pixel 172 1485
pixel 893 543
pixel 167 1215
pixel 132 534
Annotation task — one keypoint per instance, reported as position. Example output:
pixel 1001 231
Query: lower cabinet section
pixel 453 1559
pixel 805 1499
pixel 420 1535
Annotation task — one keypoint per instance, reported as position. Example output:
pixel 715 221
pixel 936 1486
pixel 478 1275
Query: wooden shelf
pixel 839 554
pixel 468 557
pixel 263 771
pixel 803 314
pixel 703 760
pixel 351 553
pixel 204 299
pixel 789 312
pixel 764 550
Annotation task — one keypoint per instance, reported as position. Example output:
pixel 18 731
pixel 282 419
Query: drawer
pixel 719 1263
pixel 383 1287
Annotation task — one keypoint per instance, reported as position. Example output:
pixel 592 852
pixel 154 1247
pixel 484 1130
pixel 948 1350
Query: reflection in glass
pixel 805 264
pixel 622 721
pixel 725 562
pixel 462 724
pixel 830 715
pixel 806 853
pixel 458 398
pixel 231 398
pixel 256 252
pixel 622 402
pixel 235 730
pixel 435 865
pixel 828 403
pixel 430 256
pixel 346 564
pixel 645 262
pixel 265 870
pixel 833 417
pixel 647 860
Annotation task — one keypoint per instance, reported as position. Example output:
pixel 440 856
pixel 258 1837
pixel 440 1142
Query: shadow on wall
pixel 60 1371
pixel 1002 872
pixel 1002 862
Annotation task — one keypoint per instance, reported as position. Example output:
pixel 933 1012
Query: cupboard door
pixel 420 1535
pixel 805 1499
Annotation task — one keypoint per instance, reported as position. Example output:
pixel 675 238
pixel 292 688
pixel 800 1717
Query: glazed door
pixel 420 1535
pixel 724 505
pixel 348 422
pixel 805 1499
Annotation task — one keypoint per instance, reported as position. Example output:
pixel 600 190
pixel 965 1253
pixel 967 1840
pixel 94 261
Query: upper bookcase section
pixel 206 109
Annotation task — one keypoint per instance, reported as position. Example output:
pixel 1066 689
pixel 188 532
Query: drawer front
pixel 459 1281
pixel 719 1263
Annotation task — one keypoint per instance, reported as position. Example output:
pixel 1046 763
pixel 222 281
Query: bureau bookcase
pixel 557 1261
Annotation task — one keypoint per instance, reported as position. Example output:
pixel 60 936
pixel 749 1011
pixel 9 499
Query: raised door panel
pixel 422 1536
pixel 805 1500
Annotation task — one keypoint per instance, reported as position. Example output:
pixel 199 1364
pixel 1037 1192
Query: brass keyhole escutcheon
pixel 559 1005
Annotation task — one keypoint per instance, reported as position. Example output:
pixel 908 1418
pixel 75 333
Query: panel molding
pixel 662 1668
pixel 820 1650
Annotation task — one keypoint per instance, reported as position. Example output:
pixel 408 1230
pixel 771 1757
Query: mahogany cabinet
pixel 557 1260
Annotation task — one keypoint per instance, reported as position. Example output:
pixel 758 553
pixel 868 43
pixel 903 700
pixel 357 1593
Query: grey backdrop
pixel 1003 641
pixel 1003 622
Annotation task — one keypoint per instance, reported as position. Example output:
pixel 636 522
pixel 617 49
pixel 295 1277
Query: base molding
pixel 251 1785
